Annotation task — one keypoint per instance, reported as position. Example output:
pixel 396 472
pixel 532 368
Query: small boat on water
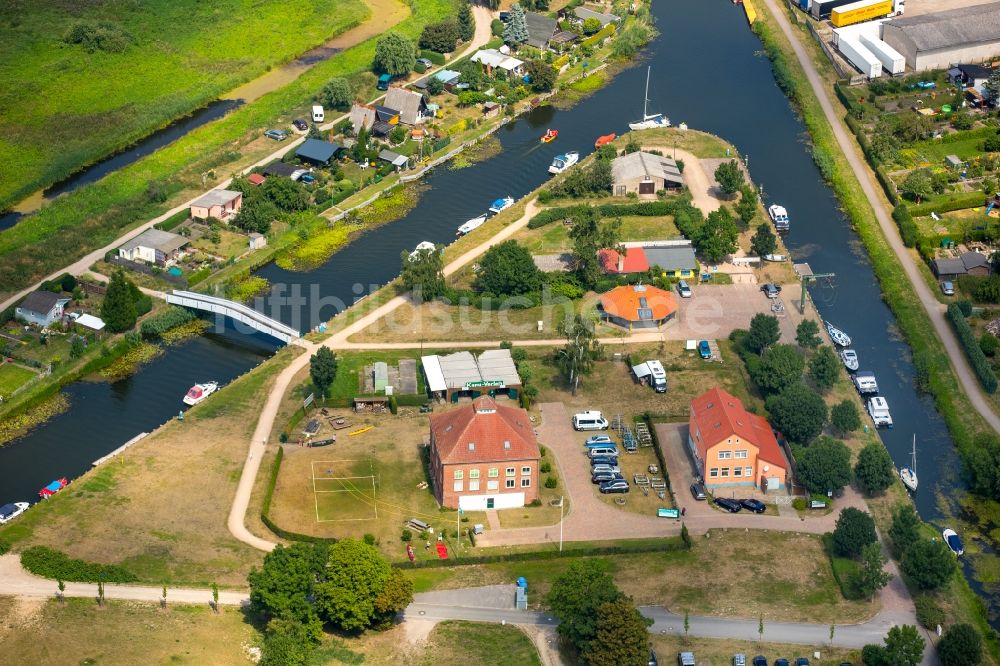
pixel 865 382
pixel 9 512
pixel 850 359
pixel 471 225
pixel 838 336
pixel 604 140
pixel 878 409
pixel 649 120
pixel 502 204
pixel 199 392
pixel 780 217
pixel 774 257
pixel 54 487
pixel 550 135
pixel 562 162
pixel 421 247
pixel 908 475
pixel 954 541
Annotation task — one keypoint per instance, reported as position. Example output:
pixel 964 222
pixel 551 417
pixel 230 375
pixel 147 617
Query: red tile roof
pixel 626 302
pixel 635 261
pixel 719 415
pixel 488 427
pixel 256 179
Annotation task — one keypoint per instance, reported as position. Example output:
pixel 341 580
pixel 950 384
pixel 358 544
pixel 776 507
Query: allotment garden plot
pixel 344 490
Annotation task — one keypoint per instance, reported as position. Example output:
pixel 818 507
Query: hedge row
pixel 173 221
pixel 48 563
pixel 600 36
pixel 666 545
pixel 956 201
pixel 558 63
pixel 907 227
pixel 975 355
pixel 884 180
pixel 646 208
pixel 433 56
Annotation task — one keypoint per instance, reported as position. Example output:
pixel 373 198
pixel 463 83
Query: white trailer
pixel 891 59
pixel 860 57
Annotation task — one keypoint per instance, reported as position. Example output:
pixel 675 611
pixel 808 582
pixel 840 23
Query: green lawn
pixel 71 107
pixel 935 150
pixel 554 238
pixel 12 376
pixel 457 642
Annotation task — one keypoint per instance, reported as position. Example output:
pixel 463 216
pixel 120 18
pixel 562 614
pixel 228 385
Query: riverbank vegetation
pixel 96 84
pixel 933 368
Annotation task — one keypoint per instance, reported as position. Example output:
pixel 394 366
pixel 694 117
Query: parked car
pixel 590 420
pixel 739 660
pixel 601 477
pixel 771 290
pixel 753 505
pixel 685 659
pixel 652 659
pixel 383 82
pixel 801 661
pixel 615 486
pixel 698 491
pixel 730 505
pixel 598 469
pixel 425 62
pixel 780 662
pixel 759 660
pixel 598 439
pixel 603 460
pixel 683 289
pixel 705 349
pixel 277 135
pixel 300 124
pixel 947 288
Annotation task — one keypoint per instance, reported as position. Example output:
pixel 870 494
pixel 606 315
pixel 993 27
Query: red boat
pixel 51 489
pixel 550 135
pixel 604 140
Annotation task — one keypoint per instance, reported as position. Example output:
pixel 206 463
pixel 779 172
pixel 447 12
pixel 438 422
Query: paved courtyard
pixel 715 311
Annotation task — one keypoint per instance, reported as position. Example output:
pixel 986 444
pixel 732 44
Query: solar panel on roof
pixel 643 303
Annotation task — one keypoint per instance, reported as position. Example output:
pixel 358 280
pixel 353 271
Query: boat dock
pixel 120 449
pixel 750 10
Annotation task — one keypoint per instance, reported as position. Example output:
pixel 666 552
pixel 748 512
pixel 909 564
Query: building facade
pixel 219 204
pixel 41 308
pixel 938 40
pixel 484 456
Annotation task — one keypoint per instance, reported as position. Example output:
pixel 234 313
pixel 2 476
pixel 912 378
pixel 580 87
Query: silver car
pixel 611 469
pixel 947 288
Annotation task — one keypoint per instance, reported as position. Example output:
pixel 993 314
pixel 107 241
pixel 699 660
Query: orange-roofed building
pixel 731 446
pixel 637 306
pixel 632 261
pixel 256 179
pixel 484 456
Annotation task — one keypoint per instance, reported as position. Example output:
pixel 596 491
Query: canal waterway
pixel 727 89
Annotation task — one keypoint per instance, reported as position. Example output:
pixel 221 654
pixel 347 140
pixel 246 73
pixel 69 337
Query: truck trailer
pixel 859 56
pixel 891 59
pixel 858 12
pixel 822 9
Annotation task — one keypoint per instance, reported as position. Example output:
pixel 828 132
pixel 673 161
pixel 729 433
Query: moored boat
pixel 838 336
pixel 774 257
pixel 562 162
pixel 421 247
pixel 780 217
pixel 908 475
pixel 954 541
pixel 649 120
pixel 502 204
pixel 471 225
pixel 850 359
pixel 54 487
pixel 199 392
pixel 604 140
pixel 550 135
pixel 9 512
pixel 865 382
pixel 878 409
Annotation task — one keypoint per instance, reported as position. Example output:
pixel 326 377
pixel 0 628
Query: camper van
pixel 590 420
pixel 652 373
pixel 318 114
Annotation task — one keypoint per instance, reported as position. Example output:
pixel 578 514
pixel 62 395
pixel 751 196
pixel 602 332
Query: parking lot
pixel 715 311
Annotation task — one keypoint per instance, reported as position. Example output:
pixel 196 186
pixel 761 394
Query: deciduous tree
pixel 764 242
pixel 440 36
pixel 718 236
pixel 824 368
pixel 928 564
pixel 356 574
pixel 542 75
pixel 780 366
pixel 764 332
pixel 824 465
pixel 855 529
pixel 799 412
pixel 508 269
pixel 844 417
pixel 730 177
pixel 394 54
pixel 285 193
pixel 872 576
pixel 904 645
pixel 621 636
pixel 576 596
pixel 589 235
pixel 918 185
pixel 256 214
pixel 904 530
pixel 874 470
pixel 591 26
pixel 807 334
pixel 423 274
pixel 746 209
pixel 577 357
pixel 960 645
pixel 323 369
pixel 337 93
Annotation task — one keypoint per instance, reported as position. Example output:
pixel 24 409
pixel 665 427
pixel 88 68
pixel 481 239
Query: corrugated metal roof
pixel 459 369
pixel 432 371
pixel 498 364
pixel 952 28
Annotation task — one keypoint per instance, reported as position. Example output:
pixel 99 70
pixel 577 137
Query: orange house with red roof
pixel 731 446
pixel 483 456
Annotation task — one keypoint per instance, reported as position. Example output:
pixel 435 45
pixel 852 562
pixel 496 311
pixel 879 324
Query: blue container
pixel 804 5
pixel 522 582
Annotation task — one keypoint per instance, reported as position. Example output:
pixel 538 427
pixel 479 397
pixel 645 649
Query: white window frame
pixel 749 471
pixel 509 483
pixel 526 470
pixel 492 485
pixel 742 454
pixel 494 472
pixel 510 471
pixel 473 473
pixel 737 471
pixel 525 482
pixel 459 475
pixel 458 487
pixel 724 455
pixel 713 473
pixel 724 472
pixel 473 485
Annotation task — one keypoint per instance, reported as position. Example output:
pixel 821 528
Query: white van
pixel 589 420
pixel 318 114
pixel 605 451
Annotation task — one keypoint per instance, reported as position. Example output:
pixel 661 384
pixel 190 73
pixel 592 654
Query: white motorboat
pixel 908 475
pixel 878 409
pixel 562 162
pixel 865 382
pixel 9 512
pixel 774 257
pixel 502 204
pixel 838 336
pixel 421 247
pixel 780 217
pixel 199 392
pixel 850 359
pixel 649 120
pixel 954 541
pixel 471 225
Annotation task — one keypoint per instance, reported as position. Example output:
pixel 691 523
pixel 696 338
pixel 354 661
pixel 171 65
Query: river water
pixel 727 89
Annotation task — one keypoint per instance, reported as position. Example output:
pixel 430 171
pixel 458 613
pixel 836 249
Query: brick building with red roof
pixel 731 446
pixel 483 456
pixel 632 261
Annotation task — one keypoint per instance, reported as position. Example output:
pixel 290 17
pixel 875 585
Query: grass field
pixel 719 652
pixel 457 643
pixel 71 107
pixel 13 376
pixel 78 632
pixel 344 490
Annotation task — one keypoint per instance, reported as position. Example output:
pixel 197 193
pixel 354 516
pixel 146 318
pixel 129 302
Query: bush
pixel 99 36
pixel 406 536
pixel 545 467
pixel 48 563
pixel 369 539
pixel 907 227
pixel 855 529
pixel 929 611
pixel 161 322
pixel 972 350
pixel 496 27
pixel 550 482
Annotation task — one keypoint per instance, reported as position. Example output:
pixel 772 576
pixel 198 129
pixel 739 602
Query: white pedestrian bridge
pixel 235 311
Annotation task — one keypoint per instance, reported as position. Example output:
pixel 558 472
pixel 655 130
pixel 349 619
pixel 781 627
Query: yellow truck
pixel 858 12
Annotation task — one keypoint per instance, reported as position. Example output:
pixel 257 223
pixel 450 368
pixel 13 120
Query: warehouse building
pixel 936 41
pixel 463 375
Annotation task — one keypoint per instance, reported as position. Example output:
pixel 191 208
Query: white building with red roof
pixel 731 446
pixel 483 456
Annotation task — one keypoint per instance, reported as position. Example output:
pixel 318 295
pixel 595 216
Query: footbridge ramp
pixel 235 311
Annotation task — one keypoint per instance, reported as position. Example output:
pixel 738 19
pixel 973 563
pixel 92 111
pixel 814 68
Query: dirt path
pixel 935 310
pixel 697 181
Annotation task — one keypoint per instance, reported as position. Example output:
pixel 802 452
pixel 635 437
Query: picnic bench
pixel 418 525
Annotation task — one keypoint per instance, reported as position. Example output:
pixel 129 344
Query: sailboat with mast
pixel 649 120
pixel 908 475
